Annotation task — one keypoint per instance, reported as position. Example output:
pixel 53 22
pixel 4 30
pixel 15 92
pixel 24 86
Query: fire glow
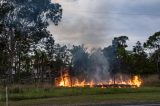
pixel 65 81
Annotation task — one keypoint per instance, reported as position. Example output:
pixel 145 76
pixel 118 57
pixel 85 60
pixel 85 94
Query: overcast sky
pixel 96 22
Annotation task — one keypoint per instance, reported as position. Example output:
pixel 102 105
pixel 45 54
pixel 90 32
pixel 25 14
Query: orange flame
pixel 65 81
pixel 136 81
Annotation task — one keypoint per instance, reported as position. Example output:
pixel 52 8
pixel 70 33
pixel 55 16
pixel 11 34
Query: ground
pixel 82 96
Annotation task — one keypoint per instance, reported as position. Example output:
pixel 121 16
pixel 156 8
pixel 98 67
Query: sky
pixel 96 22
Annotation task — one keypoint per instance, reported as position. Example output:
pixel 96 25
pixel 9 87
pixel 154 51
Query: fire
pixel 136 81
pixel 66 81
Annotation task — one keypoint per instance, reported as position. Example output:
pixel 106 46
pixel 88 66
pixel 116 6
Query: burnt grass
pixel 27 93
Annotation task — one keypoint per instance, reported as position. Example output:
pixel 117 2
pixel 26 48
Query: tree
pixel 153 44
pixel 138 49
pixel 30 19
pixel 140 62
pixel 110 53
pixel 116 53
pixel 120 48
pixel 80 59
pixel 120 42
pixel 5 8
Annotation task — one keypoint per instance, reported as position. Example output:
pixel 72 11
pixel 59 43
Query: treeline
pixel 23 26
pixel 28 52
pixel 143 59
pixel 100 64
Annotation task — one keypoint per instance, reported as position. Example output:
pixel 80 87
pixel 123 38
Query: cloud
pixel 96 22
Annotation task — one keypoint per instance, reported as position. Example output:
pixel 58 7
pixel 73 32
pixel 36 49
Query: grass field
pixel 27 96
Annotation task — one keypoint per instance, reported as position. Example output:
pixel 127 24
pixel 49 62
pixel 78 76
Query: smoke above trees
pixel 28 50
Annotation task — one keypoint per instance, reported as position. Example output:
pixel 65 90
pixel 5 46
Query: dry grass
pixel 151 80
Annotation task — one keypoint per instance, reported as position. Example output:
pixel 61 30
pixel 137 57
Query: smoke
pixel 99 66
pixel 96 22
pixel 91 66
pixel 84 22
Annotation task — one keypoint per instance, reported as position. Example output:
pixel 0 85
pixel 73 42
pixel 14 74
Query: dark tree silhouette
pixel 25 24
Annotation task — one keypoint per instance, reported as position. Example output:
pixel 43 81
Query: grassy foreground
pixel 27 96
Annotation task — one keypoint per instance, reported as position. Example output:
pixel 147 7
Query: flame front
pixel 136 81
pixel 65 81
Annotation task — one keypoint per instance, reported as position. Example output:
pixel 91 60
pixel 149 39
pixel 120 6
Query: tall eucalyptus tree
pixel 25 24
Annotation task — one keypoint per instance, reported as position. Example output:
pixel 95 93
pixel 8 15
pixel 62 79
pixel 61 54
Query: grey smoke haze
pixel 99 66
pixel 96 22
pixel 92 66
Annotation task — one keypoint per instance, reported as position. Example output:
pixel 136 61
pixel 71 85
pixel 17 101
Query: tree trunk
pixel 11 54
pixel 19 66
pixel 158 66
pixel 50 77
pixel 42 70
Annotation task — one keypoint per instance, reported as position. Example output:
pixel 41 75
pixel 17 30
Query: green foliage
pixel 133 62
pixel 23 24
pixel 153 42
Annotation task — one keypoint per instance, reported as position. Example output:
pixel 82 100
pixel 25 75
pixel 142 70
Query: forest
pixel 29 54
